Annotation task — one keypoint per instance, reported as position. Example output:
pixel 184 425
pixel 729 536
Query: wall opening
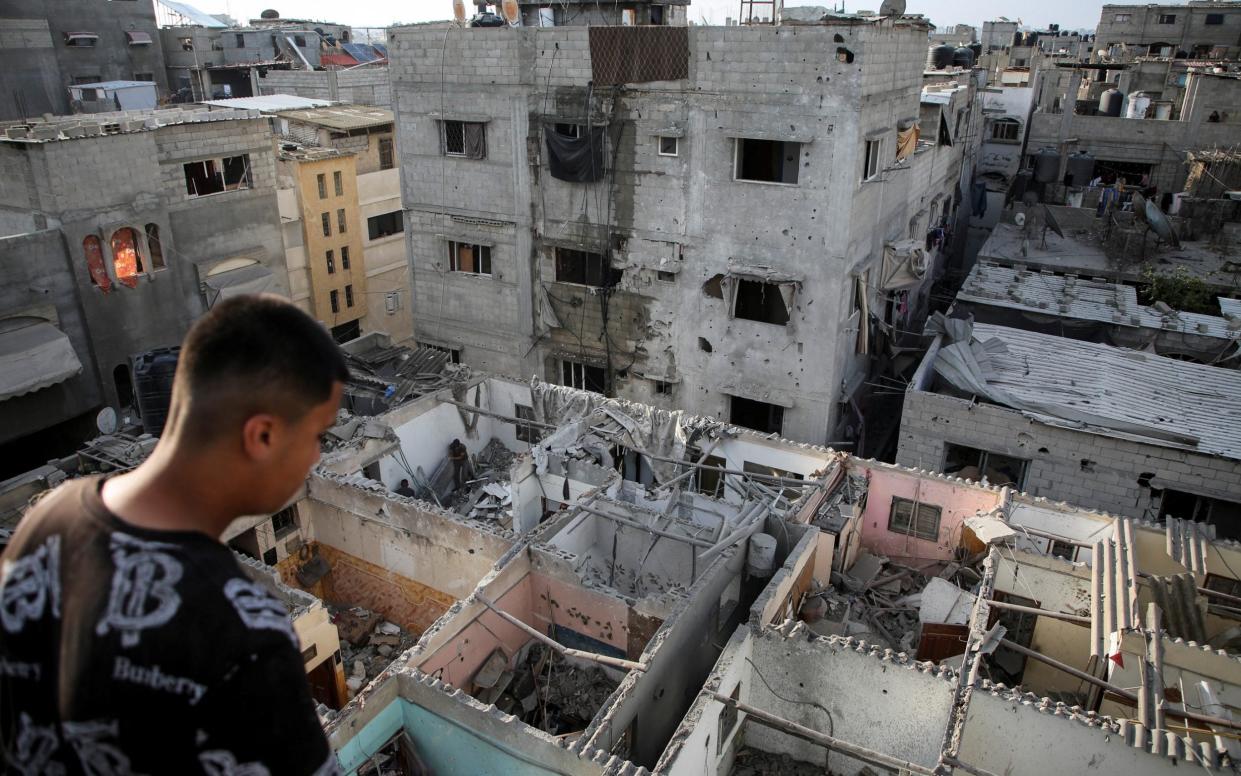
pixel 583 376
pixel 584 268
pixel 155 249
pixel 126 262
pixel 756 415
pixel 974 464
pixel 763 302
pixel 469 257
pixel 124 385
pixel 766 161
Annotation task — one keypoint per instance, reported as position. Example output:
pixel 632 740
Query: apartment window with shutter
pixel 321 179
pixel 386 160
pixel 340 220
pixel 903 520
pixel 326 218
pixel 344 257
pixel 331 263
pixel 339 182
pixel 334 298
pixel 348 296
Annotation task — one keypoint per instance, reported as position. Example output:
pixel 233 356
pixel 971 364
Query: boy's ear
pixel 258 436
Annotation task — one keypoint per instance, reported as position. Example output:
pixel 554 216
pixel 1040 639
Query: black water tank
pixel 153 372
pixel 1111 102
pixel 963 57
pixel 1046 165
pixel 941 56
pixel 1021 184
pixel 977 49
pixel 1079 169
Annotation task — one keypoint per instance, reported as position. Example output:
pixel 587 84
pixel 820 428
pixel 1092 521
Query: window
pixel 454 354
pixel 464 138
pixel 763 302
pixel 525 431
pixel 212 176
pixel 126 261
pixel 81 39
pixel 187 44
pixel 340 220
pixel 1167 18
pixel 93 78
pixel 284 522
pixel 663 387
pixel 901 520
pixel 569 130
pixel 348 296
pixel 331 262
pixel 870 159
pixel 1225 585
pixel 665 277
pixel 974 464
pixel 584 376
pixel 334 297
pixel 584 268
pixel 144 76
pixel 386 161
pixel 385 225
pixel 1063 550
pixel 1122 18
pixel 240 40
pixel 766 161
pixel 709 479
pixel 338 181
pixel 756 415
pixel 155 249
pixel 1006 130
pixel 467 257
pixel 310 653
pixel 344 257
pixel 392 302
pixel 321 179
pixel 1214 18
pixel 326 220
pixel 668 146
pixel 1224 515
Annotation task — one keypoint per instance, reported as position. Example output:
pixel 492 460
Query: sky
pixel 1069 14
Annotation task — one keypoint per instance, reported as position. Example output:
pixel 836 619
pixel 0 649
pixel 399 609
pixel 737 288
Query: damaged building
pixel 121 229
pixel 576 194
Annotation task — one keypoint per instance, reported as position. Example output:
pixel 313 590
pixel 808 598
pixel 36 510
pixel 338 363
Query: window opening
pixel 124 385
pixel 665 277
pixel 340 220
pixel 1224 515
pixel 92 246
pixel 468 257
pixel 331 262
pixel 925 525
pixel 338 182
pixel 1006 130
pixel 1214 18
pixel 344 257
pixel 386 161
pixel 668 146
pixel 155 249
pixel 465 138
pixel 326 220
pixel 870 161
pixel 1167 18
pixel 284 522
pixel 584 268
pixel 126 262
pixel 240 40
pixel 763 302
pixel 525 431
pixel 212 176
pixel 583 376
pixel 348 296
pixel 322 181
pixel 973 464
pixel 756 415
pixel 385 225
pixel 334 298
pixel 569 130
pixel 766 161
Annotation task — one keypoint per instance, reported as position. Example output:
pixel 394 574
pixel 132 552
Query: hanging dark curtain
pixel 576 159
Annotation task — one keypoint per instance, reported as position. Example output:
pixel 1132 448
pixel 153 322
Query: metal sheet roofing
pixel 361 52
pixel 194 15
pixel 115 85
pixel 1070 296
pixel 342 117
pixel 270 102
pixel 1231 308
pixel 1100 389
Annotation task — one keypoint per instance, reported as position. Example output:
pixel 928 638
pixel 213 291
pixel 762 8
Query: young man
pixel 131 641
pixel 459 455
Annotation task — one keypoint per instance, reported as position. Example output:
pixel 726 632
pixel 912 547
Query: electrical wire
pixel 831 722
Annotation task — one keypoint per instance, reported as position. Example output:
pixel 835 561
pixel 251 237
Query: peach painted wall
pixel 957 501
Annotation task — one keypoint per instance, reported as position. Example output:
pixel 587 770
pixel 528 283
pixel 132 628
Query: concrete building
pixel 358 86
pixel 366 265
pixel 1126 432
pixel 1200 30
pixel 130 225
pixel 957 35
pixel 998 34
pixel 45 48
pixel 710 238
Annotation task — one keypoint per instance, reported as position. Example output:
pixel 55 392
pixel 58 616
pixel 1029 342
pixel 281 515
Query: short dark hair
pixel 254 354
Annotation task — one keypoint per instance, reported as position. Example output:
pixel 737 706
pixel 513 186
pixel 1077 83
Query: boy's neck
pixel 170 491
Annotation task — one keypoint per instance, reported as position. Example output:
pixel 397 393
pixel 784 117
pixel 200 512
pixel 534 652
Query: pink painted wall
pixel 956 501
pixel 538 601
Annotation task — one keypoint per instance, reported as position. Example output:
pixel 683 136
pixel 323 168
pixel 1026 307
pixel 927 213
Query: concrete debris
pixel 368 643
pixel 546 691
pixel 941 602
pixel 755 762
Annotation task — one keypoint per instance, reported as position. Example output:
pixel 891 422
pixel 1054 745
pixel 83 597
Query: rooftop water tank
pixel 761 558
pixel 1111 102
pixel 1080 169
pixel 1138 103
pixel 1046 165
pixel 941 56
pixel 153 372
pixel 963 57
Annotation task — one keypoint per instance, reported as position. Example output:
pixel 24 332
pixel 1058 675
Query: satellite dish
pixel 1020 219
pixel 892 8
pixel 1160 224
pixel 1050 221
pixel 105 421
pixel 510 12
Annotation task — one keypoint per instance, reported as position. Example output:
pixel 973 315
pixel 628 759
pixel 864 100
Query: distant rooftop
pixel 114 85
pixel 114 123
pixel 270 103
pixel 341 117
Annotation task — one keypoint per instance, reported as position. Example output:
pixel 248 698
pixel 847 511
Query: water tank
pixel 963 57
pixel 941 56
pixel 1110 102
pixel 1138 103
pixel 1079 169
pixel 1163 110
pixel 270 13
pixel 153 371
pixel 977 49
pixel 1021 184
pixel 761 558
pixel 1046 165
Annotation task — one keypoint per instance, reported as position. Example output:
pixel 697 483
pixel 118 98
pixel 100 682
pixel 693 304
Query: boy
pixel 131 641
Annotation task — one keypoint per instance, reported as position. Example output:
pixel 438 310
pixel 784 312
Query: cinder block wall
pixel 1089 470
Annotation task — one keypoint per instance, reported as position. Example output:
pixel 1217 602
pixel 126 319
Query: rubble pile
pixel 487 494
pixel 755 762
pixel 544 690
pixel 368 643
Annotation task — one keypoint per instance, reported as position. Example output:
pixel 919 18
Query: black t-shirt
pixel 131 651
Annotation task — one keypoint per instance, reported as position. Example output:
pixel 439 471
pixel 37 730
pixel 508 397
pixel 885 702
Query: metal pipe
pixel 1044 612
pixel 497 415
pixel 644 527
pixel 615 662
pixel 974 770
pixel 822 739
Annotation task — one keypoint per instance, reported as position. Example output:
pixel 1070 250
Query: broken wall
pixel 955 499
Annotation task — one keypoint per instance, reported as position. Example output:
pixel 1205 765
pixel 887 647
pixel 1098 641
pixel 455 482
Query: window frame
pixel 738 146
pixel 871 153
pixel 341 225
pixel 218 169
pixel 349 295
pixel 330 255
pixel 1166 18
pixel 377 221
pixel 464 153
pixel 387 154
pixel 766 287
pixel 1006 124
pixel 338 183
pixel 334 301
pixel 1213 19
pixel 525 432
pixel 482 258
pixel 913 520
pixel 676 145
pixel 325 219
pixel 344 257
pixel 573 374
pixel 321 182
pixel 560 257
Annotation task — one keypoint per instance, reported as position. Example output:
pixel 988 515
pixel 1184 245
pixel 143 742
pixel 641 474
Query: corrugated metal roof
pixel 194 15
pixel 1100 389
pixel 115 85
pixel 1230 307
pixel 1070 296
pixel 271 103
